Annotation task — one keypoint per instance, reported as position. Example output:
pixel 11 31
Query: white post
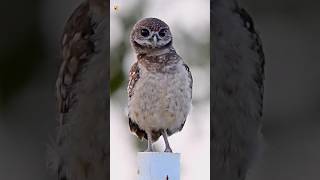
pixel 158 166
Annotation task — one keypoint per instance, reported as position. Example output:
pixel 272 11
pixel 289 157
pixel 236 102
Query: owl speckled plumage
pixel 160 84
pixel 80 149
pixel 237 86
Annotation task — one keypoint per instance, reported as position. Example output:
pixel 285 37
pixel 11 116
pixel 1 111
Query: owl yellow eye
pixel 162 32
pixel 144 32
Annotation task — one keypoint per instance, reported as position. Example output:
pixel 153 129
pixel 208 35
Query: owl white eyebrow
pixel 143 27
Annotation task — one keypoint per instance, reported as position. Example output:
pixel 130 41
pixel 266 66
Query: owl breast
pixel 161 100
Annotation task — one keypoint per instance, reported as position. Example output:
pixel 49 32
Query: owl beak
pixel 155 40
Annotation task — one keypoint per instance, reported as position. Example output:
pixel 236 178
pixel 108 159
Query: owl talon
pixel 148 150
pixel 168 150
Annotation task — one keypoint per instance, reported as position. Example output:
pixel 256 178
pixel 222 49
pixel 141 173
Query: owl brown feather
pixel 76 48
pixel 133 78
pixel 134 127
pixel 160 84
pixel 152 63
pixel 80 149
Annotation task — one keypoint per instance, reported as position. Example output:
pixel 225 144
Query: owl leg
pixel 149 149
pixel 165 137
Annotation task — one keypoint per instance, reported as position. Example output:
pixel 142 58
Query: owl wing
pixel 76 48
pixel 172 131
pixel 256 48
pixel 133 79
pixel 190 85
pixel 237 95
pixel 189 76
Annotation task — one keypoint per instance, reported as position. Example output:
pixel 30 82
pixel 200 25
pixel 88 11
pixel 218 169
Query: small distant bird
pixel 81 150
pixel 237 91
pixel 160 84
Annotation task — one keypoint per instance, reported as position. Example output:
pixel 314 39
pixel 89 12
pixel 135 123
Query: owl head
pixel 150 34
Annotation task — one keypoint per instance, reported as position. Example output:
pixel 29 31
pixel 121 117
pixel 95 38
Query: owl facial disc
pixel 151 33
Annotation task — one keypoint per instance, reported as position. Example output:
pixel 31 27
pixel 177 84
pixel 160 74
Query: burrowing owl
pixel 237 91
pixel 160 84
pixel 81 148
